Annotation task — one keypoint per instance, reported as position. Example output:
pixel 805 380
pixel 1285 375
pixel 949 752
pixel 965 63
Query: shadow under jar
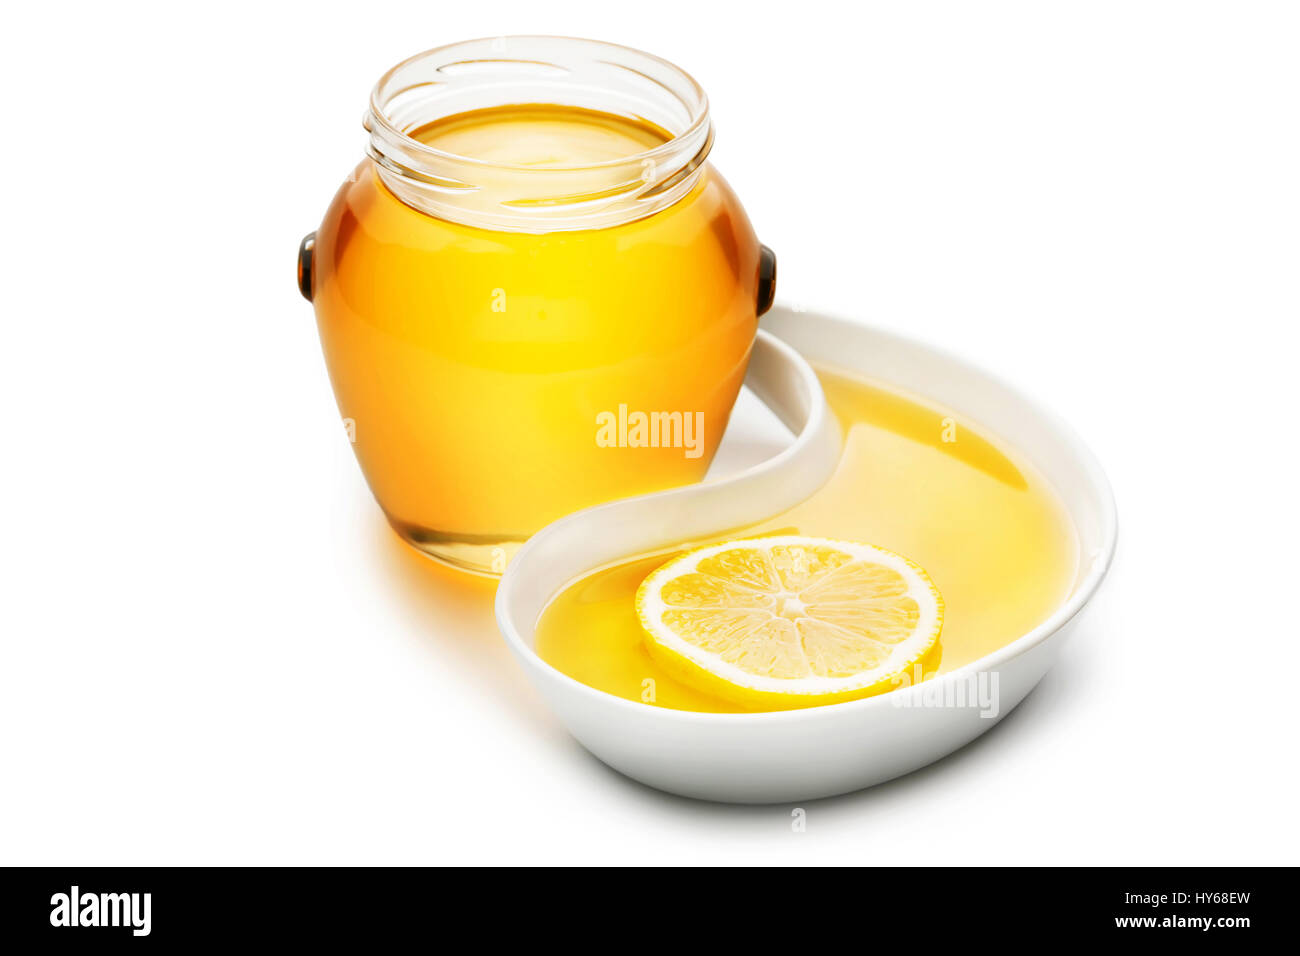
pixel 534 295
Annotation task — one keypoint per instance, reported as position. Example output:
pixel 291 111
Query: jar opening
pixel 589 75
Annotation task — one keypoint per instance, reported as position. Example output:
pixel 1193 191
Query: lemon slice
pixel 790 621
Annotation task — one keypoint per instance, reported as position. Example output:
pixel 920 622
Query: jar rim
pixel 378 114
pixel 490 72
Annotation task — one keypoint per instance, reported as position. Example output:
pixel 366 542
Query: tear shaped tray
pixel 821 751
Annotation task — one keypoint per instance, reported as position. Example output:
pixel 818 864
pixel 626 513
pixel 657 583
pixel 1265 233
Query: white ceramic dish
pixel 804 754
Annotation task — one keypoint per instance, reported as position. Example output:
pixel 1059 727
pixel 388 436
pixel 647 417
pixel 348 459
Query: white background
pixel 214 651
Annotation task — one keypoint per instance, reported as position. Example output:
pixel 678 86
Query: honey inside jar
pixel 541 135
pixel 477 363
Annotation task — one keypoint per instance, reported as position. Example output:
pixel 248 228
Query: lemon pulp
pixel 790 621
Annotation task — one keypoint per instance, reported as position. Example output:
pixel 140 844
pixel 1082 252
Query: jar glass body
pixel 495 379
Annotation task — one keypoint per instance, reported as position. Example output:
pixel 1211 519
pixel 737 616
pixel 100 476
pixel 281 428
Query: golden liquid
pixel 987 528
pixel 474 363
pixel 541 135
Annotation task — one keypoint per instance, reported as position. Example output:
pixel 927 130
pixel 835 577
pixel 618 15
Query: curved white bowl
pixel 821 751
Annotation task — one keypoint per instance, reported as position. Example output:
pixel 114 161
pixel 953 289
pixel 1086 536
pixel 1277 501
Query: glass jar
pixel 557 315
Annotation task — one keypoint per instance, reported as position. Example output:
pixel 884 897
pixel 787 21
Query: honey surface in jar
pixel 475 364
pixel 540 135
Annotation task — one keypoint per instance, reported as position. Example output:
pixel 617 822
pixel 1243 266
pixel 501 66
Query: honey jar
pixel 534 294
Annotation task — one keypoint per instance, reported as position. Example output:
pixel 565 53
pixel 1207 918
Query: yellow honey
pixel 914 478
pixel 474 365
pixel 541 135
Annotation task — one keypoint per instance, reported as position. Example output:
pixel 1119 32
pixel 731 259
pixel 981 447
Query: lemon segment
pixel 790 621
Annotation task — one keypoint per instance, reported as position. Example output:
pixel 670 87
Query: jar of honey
pixel 534 294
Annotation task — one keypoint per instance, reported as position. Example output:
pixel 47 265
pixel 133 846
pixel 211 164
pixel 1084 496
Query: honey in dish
pixel 914 479
pixel 474 363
